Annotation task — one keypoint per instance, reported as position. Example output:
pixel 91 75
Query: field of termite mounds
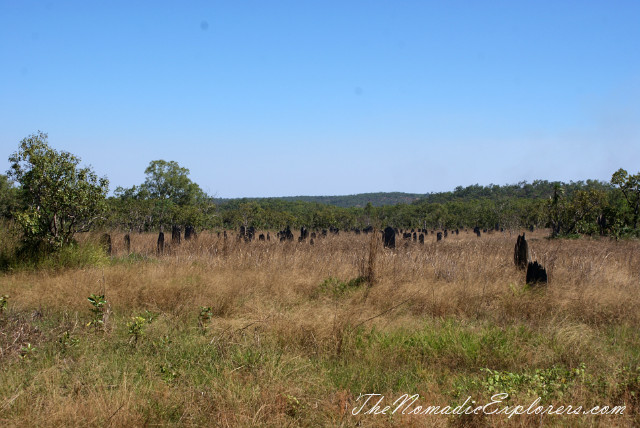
pixel 392 239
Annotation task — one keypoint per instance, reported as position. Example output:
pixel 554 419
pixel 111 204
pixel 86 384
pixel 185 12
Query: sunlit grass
pixel 295 334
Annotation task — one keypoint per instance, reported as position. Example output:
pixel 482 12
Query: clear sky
pixel 280 98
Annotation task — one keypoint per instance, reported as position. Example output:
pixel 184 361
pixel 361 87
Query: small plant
pixel 544 383
pixel 204 317
pixel 4 299
pixel 67 341
pixel 149 316
pixel 99 310
pixel 27 351
pixel 168 373
pixel 136 328
pixel 628 382
pixel 163 342
pixel 137 324
pixel 294 405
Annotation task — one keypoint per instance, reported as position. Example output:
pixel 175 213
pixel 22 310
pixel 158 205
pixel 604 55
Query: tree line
pixel 51 198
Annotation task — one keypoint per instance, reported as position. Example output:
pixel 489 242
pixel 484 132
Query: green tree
pixel 59 198
pixel 586 205
pixel 248 213
pixel 8 197
pixel 128 212
pixel 169 181
pixel 556 207
pixel 167 197
pixel 629 185
pixel 577 214
pixel 368 213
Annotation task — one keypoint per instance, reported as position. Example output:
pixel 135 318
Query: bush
pixel 59 198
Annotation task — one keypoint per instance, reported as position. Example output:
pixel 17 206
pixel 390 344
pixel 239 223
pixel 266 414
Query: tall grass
pixel 281 351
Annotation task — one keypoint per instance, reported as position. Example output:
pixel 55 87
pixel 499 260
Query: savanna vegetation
pixel 53 198
pixel 219 331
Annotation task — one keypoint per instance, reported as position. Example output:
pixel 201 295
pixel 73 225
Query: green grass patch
pixel 74 256
pixel 336 287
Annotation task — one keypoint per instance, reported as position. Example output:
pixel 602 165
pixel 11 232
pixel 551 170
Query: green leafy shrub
pixel 27 351
pixel 67 341
pixel 544 383
pixel 60 198
pixel 99 310
pixel 136 326
pixel 205 315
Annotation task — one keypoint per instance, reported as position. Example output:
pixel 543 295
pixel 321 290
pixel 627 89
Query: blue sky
pixel 280 98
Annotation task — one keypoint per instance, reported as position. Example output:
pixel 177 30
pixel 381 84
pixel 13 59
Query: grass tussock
pixel 227 333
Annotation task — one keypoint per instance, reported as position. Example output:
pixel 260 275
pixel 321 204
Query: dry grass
pixel 281 350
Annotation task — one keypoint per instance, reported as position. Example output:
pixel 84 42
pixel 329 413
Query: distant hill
pixel 361 199
pixel 347 201
pixel 523 190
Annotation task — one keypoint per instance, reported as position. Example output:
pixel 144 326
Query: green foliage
pixel 75 256
pixel 168 372
pixel 10 241
pixel 430 211
pixel 66 341
pixel 136 326
pixel 577 214
pixel 8 197
pixel 538 189
pixel 129 212
pixel 68 257
pixel 336 287
pixel 544 383
pixel 628 382
pixel 629 186
pixel 27 351
pixel 149 316
pixel 167 197
pixel 59 199
pixel 4 300
pixel 294 405
pixel 360 200
pixel 99 308
pixel 205 315
pixel 169 181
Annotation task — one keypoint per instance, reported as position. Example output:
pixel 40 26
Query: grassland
pixel 228 333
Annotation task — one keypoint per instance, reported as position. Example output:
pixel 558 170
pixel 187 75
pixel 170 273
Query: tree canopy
pixel 169 181
pixel 58 197
pixel 8 197
pixel 629 186
pixel 167 197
